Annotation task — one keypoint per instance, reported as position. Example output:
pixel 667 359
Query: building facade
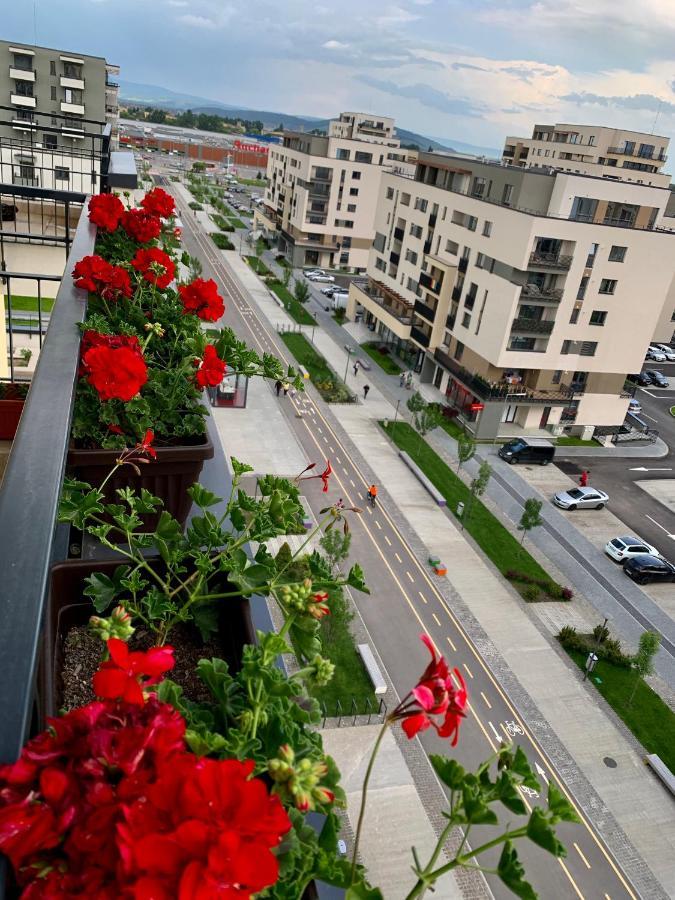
pixel 54 109
pixel 323 190
pixel 592 150
pixel 524 296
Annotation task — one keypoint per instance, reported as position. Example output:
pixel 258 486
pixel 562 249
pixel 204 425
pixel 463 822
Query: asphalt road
pixel 404 600
pixel 643 514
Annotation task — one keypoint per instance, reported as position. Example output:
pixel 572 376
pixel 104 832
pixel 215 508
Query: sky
pixel 472 70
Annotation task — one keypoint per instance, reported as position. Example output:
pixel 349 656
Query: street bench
pixel 422 478
pixel 662 771
pixel 362 362
pixel 372 668
pixel 307 515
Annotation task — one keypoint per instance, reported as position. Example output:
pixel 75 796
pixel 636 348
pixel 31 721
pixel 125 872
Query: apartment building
pixel 322 191
pixel 53 113
pixel 523 295
pixel 592 150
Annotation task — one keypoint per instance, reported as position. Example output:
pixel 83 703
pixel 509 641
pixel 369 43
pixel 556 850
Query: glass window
pixel 507 193
pixel 607 285
pixel 598 317
pixel 61 173
pixel 353 192
pixel 617 254
pixel 405 199
pixel 52 67
pixel 487 228
pixel 361 157
pixel 390 193
pixel 356 176
pixel 466 320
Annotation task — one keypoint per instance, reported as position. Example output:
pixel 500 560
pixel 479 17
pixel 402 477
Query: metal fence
pixel 348 711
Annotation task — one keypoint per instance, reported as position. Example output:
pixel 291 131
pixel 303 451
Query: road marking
pixel 541 772
pixel 495 732
pixel 331 448
pixel 386 539
pixel 660 526
pixel 578 849
pixel 338 460
pixel 468 670
pixel 345 471
pixel 352 483
pixel 378 524
pixel 436 619
pixel 319 429
pixel 454 649
pixel 572 881
pixel 409 575
pixel 653 420
pixel 487 702
pixel 644 390
pixel 644 469
pixel 398 557
pixel 422 597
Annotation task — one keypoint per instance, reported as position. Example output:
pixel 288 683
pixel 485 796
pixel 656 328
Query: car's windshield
pixel 516 445
pixel 575 492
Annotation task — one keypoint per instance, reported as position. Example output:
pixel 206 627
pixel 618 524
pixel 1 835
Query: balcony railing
pixel 399 234
pixel 635 152
pixel 525 325
pixel 536 292
pixel 463 264
pixel 385 302
pixel 394 258
pixel 549 261
pixel 456 292
pixel 418 335
pixel 425 311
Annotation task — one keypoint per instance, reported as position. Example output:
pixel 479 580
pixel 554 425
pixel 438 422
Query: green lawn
pixel 570 441
pixel 222 223
pixel 292 306
pixel 237 222
pixel 496 541
pixel 383 360
pixel 452 427
pixel 29 304
pixel 649 718
pixel 222 241
pixel 257 265
pixel 252 182
pixel 350 678
pixel 322 376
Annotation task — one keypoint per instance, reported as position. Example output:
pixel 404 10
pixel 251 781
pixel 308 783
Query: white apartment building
pixel 592 150
pixel 523 295
pixel 322 191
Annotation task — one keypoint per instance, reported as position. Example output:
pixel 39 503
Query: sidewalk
pixel 561 710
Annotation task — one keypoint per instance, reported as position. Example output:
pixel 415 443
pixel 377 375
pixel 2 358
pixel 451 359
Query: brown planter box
pixel 167 477
pixel 67 606
pixel 10 413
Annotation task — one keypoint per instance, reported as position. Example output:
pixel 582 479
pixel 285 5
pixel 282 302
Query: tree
pixel 426 416
pixel 196 268
pixel 335 544
pixel 530 518
pixel 466 447
pixel 258 248
pixel 478 486
pixel 301 291
pixel 158 116
pixel 286 276
pixel 643 661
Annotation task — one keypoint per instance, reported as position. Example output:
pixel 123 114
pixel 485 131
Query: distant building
pixel 322 190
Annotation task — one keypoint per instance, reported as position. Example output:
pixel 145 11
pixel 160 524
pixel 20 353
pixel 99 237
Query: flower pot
pixel 10 413
pixel 67 606
pixel 167 477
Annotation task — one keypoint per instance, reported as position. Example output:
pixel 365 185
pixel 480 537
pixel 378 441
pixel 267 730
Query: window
pixel 452 247
pixel 592 254
pixel 470 298
pixel 52 67
pixel 557 375
pixel 390 193
pixel 356 176
pixel 566 347
pixel 411 256
pixel 574 317
pixel 49 141
pixel 61 173
pixel 598 317
pixel 466 320
pixel 617 254
pixel 507 194
pixel 482 310
pixel 411 284
pixel 588 348
pixel 405 199
pixel 344 258
pixel 361 157
pixel 342 154
pixel 583 284
pixel 353 192
pixel 471 223
pixel 478 187
pixel 607 286
pixel 591 141
pixel 351 207
pixel 72 70
pixel 421 204
pixel 459 350
pixel 487 228
pixel 416 230
pixel 380 264
pixel 23 88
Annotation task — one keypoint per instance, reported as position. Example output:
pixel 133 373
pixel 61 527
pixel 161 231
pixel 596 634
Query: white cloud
pixel 396 15
pixel 217 19
pixel 178 3
pixel 335 45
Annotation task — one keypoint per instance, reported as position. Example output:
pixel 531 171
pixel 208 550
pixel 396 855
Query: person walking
pixel 366 388
pixel 401 380
pixel 357 366
pixel 583 478
pixel 285 386
pixel 278 385
pixel 408 380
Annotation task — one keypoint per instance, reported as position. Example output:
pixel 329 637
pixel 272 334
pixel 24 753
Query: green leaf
pixel 102 589
pixel 356 579
pixel 521 766
pixel 476 810
pixel 362 891
pixel 559 806
pixel 542 833
pixel 77 507
pixel 205 616
pixel 449 771
pixel 511 872
pixel 203 498
pixel 510 796
pixel 168 529
pixel 240 468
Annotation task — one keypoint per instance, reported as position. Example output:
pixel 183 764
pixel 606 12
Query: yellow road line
pixel 578 849
pixel 487 702
pixel 437 620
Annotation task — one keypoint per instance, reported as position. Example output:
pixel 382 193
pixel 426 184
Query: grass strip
pixel 222 241
pixel 321 375
pixel 28 304
pixel 571 441
pixel 383 360
pixel 292 306
pixel 237 222
pixel 257 265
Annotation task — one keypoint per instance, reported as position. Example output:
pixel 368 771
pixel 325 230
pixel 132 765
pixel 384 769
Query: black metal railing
pixel 658 157
pixel 394 258
pixel 549 261
pixel 425 311
pixel 537 292
pixel 404 317
pixel 433 218
pixel 418 335
pixel 463 264
pixel 399 234
pixel 525 325
pixel 456 292
pixel 27 317
pixel 425 280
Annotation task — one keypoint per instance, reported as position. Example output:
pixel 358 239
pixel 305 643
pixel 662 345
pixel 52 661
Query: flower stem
pixel 364 795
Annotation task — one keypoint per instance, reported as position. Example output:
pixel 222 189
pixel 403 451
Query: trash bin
pixel 460 509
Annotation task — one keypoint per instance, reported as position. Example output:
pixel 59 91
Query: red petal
pixel 424 697
pixel 119 652
pixel 413 724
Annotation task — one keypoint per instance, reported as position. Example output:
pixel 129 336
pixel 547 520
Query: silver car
pixel 581 498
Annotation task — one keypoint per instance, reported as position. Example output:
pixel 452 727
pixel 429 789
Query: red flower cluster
pixel 105 211
pixel 155 266
pixel 113 365
pixel 107 804
pixel 211 368
pixel 96 275
pixel 158 203
pixel 140 225
pixel 126 673
pixel 145 446
pixel 435 694
pixel 202 298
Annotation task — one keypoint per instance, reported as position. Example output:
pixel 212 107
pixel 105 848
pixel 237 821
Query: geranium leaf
pixel 542 833
pixel 356 579
pixel 511 872
pixel 203 498
pixel 560 807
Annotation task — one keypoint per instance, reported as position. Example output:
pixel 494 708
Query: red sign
pixel 250 148
pixel 476 407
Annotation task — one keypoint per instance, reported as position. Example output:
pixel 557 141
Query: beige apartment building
pixel 523 295
pixel 322 193
pixel 592 150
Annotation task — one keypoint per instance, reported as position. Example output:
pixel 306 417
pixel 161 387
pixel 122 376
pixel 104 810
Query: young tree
pixel 258 248
pixel 196 268
pixel 335 544
pixel 478 486
pixel 643 661
pixel 530 518
pixel 466 447
pixel 286 276
pixel 301 291
pixel 426 416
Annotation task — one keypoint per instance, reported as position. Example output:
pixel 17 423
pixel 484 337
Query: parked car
pixel 658 378
pixel 621 548
pixel 645 569
pixel 655 354
pixel 668 351
pixel 641 378
pixel 581 498
pixel 322 278
pixel 634 406
pixel 521 450
pixel 328 291
pixel 309 272
pixel 339 300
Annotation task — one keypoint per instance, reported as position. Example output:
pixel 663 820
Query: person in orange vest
pixel 372 494
pixel 583 478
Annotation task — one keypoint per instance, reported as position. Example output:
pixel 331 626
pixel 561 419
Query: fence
pixel 353 709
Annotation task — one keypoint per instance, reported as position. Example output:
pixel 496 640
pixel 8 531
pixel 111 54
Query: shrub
pixel 222 241
pixel 567 632
pixel 531 593
pixel 601 633
pixel 197 207
pixel 567 593
pixel 609 650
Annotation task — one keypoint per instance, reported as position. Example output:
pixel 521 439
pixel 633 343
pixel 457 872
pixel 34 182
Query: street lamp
pixel 349 355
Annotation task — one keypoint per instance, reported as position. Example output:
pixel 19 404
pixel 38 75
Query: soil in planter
pixel 82 653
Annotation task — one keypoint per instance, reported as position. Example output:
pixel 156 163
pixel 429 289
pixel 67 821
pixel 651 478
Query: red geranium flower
pixel 211 368
pixel 202 298
pixel 96 275
pixel 127 672
pixel 317 605
pixel 155 266
pixel 145 446
pixel 105 211
pixel 113 365
pixel 325 475
pixel 158 203
pixel 140 225
pixel 435 694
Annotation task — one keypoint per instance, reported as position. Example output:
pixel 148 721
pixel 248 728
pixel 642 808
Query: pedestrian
pixel 285 386
pixel 583 479
pixel 366 388
pixel 278 385
pixel 408 380
pixel 401 380
pixel 357 366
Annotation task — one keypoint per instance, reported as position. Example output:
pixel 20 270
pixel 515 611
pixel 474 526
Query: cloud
pixel 456 66
pixel 217 19
pixel 396 15
pixel 335 45
pixel 178 3
pixel 427 95
pixel 647 102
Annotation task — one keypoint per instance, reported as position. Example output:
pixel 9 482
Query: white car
pixel 323 278
pixel 309 272
pixel 655 353
pixel 620 548
pixel 328 291
pixel 581 498
pixel 667 351
pixel 634 406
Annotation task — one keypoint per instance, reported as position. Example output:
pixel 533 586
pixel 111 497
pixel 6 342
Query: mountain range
pixel 154 95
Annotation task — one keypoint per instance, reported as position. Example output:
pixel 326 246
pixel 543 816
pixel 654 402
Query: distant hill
pixel 153 95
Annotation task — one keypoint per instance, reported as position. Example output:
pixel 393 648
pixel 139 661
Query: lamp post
pixel 393 427
pixel 349 356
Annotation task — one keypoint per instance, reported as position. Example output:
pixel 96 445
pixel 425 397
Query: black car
pixel 658 378
pixel 641 378
pixel 645 569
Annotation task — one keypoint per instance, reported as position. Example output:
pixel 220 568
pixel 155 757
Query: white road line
pixel 647 392
pixel 454 649
pixel 352 483
pixel 658 526
pixel 338 460
pixel 436 620
pixel 386 539
pixel 651 418
pixel 398 557
pixel 409 575
pixel 495 732
pixel 487 702
pixel 468 670
pixel 578 849
pixel 378 524
pixel 424 599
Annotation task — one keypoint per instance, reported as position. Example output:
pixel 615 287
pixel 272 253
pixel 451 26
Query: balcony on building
pixel 528 325
pixel 457 293
pixel 420 336
pixel 394 258
pixel 386 305
pixel 541 293
pixel 76 84
pixel 432 279
pixel 635 151
pixel 75 109
pixel 399 234
pixel 423 309
pixel 23 100
pixel 21 74
pixel 540 260
pixel 463 264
